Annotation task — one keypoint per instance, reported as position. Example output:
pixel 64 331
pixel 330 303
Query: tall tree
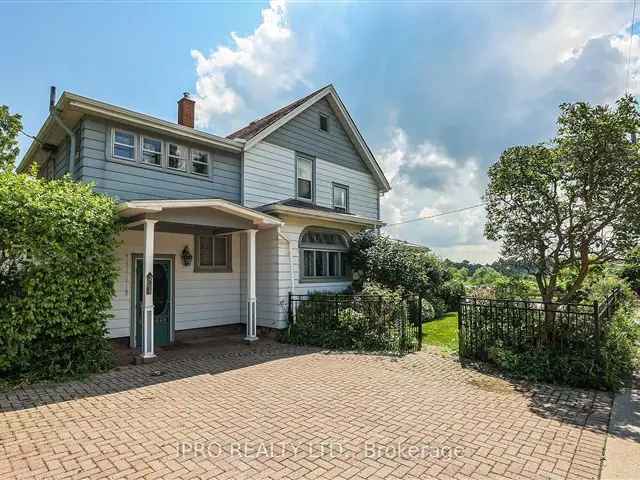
pixel 574 202
pixel 10 126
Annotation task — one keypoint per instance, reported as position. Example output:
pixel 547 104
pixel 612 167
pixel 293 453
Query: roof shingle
pixel 249 131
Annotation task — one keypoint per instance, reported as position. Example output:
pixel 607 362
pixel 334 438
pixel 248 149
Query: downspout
pixel 72 137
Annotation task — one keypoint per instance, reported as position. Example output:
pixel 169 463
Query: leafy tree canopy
pixel 572 202
pixel 10 126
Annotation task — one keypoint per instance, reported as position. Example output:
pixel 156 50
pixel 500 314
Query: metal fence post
pixel 460 340
pixel 290 309
pixel 596 327
pixel 419 322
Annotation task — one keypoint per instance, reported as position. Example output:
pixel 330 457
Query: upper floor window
pixel 200 162
pixel 324 255
pixel 213 253
pixel 304 175
pixel 151 151
pixel 176 157
pixel 324 122
pixel 124 145
pixel 340 198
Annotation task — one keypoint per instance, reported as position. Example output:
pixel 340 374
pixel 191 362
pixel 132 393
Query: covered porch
pixel 181 257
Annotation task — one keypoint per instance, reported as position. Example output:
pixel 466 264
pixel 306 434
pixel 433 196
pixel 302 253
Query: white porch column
pixel 251 286
pixel 147 285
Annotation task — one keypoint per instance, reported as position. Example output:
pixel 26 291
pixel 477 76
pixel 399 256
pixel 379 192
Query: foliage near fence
pixel 355 322
pixel 57 272
pixel 587 344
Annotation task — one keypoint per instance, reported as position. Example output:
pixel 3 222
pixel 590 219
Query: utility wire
pixel 434 216
pixel 633 24
pixel 32 137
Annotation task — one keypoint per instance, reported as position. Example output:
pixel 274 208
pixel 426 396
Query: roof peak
pixel 256 126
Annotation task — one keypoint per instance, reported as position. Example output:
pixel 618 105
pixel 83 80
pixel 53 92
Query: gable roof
pixel 261 128
pixel 249 131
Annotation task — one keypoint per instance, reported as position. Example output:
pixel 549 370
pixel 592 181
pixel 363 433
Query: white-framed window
pixel 324 256
pixel 152 151
pixel 200 162
pixel 176 157
pixel 340 198
pixel 213 253
pixel 304 177
pixel 124 144
pixel 324 122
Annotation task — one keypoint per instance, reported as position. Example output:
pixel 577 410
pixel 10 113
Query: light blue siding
pixel 303 134
pixel 129 180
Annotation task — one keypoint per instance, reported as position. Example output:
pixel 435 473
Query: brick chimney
pixel 186 111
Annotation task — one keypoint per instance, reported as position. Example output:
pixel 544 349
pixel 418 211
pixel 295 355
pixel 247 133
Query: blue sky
pixel 439 89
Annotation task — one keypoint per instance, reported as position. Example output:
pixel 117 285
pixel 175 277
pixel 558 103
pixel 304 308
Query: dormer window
pixel 324 123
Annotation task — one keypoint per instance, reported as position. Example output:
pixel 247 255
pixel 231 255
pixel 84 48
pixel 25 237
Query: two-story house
pixel 219 230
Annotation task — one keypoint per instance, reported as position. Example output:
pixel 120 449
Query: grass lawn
pixel 442 332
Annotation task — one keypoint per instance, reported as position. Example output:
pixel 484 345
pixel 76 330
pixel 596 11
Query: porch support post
pixel 147 286
pixel 251 287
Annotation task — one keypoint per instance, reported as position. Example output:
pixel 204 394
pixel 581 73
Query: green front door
pixel 162 300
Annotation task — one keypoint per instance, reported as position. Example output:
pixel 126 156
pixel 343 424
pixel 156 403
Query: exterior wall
pixel 129 180
pixel 274 277
pixel 201 299
pixel 269 176
pixel 303 134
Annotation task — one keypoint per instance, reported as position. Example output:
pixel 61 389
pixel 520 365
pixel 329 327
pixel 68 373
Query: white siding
pixel 201 299
pixel 269 176
pixel 275 277
pixel 363 191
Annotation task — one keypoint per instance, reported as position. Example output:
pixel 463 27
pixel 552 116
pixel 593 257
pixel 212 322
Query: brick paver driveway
pixel 283 412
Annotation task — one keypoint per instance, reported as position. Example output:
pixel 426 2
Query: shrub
pixel 394 265
pixel 451 292
pixel 618 358
pixel 364 322
pixel 511 288
pixel 631 270
pixel 428 312
pixel 57 273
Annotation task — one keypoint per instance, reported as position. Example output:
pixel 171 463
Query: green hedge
pixel 57 274
pixel 618 355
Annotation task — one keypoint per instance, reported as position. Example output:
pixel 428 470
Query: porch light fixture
pixel 186 256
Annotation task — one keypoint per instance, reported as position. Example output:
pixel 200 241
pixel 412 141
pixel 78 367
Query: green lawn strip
pixel 442 332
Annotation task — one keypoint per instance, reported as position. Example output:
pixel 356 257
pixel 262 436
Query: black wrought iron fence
pixel 362 322
pixel 520 325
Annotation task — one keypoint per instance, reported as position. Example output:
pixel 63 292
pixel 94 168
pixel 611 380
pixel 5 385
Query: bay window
pixel 324 256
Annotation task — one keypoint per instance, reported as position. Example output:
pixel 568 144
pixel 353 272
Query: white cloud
pixel 426 180
pixel 234 81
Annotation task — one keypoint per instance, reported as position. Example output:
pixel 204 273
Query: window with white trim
pixel 324 256
pixel 176 157
pixel 304 177
pixel 152 151
pixel 213 253
pixel 200 162
pixel 124 145
pixel 340 198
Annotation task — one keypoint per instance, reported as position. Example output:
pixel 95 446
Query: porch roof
pixel 182 211
pixel 301 209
